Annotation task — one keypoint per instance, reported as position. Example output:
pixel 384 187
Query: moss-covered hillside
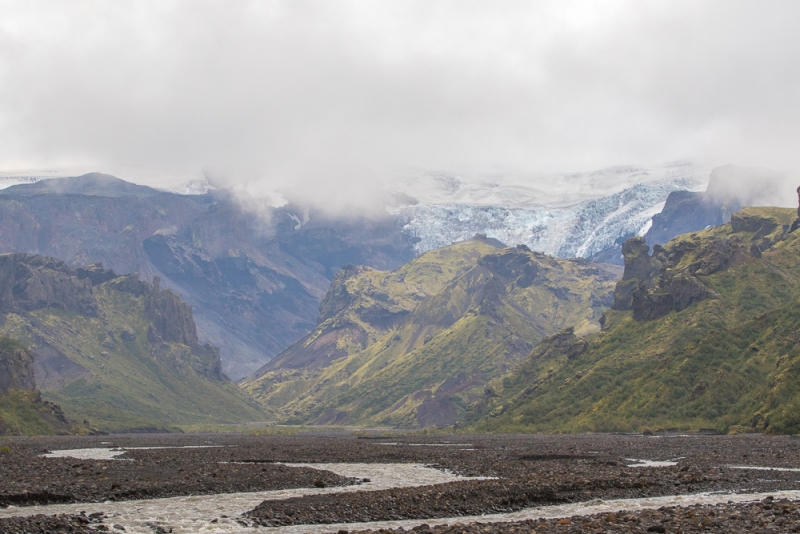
pixel 414 347
pixel 705 334
pixel 113 350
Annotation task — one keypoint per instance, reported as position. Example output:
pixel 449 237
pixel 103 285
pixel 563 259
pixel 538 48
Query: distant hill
pixel 415 346
pixel 254 278
pixel 705 333
pixel 114 350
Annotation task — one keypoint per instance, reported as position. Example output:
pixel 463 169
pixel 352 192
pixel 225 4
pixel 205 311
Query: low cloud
pixel 331 99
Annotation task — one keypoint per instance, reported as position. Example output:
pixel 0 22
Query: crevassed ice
pixel 579 229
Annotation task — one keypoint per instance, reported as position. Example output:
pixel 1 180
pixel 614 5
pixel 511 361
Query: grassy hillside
pixel 705 336
pixel 123 354
pixel 414 347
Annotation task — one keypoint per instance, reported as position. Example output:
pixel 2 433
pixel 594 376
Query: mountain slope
pixel 240 269
pixel 117 351
pixel 705 334
pixel 413 347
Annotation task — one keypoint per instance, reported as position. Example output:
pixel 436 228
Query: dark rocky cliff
pixel 22 409
pixel 113 349
pixel 16 366
pixel 730 188
pixel 29 283
pixel 671 279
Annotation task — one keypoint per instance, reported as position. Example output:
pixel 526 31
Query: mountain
pixel 254 276
pixel 22 410
pixel 413 347
pixel 704 333
pixel 114 350
pixel 730 188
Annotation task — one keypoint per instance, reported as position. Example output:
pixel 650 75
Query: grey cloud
pixel 332 96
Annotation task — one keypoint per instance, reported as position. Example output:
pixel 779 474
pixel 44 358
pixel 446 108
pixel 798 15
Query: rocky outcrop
pixel 28 283
pixel 337 298
pixel 653 286
pixel 172 318
pixel 671 278
pixel 676 293
pixel 513 265
pixel 640 268
pixel 564 343
pixel 16 366
pixel 130 360
pixel 796 222
pixel 17 380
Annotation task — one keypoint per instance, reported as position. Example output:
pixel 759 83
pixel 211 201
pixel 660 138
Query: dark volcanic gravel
pixel 47 524
pixel 766 516
pixel 541 470
pixel 555 484
pixel 27 478
pixel 531 470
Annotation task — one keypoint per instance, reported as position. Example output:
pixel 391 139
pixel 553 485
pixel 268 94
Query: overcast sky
pixel 337 92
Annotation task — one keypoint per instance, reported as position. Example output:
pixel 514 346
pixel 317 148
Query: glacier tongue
pixel 590 228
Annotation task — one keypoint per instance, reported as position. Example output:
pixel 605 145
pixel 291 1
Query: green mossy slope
pixel 728 361
pixel 414 347
pixel 127 360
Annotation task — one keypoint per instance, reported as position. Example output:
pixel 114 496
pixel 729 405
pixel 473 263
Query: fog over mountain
pixel 334 99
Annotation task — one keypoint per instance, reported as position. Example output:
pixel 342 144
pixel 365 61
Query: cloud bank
pixel 333 96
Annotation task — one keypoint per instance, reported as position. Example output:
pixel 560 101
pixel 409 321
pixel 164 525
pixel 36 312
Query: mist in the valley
pixel 328 101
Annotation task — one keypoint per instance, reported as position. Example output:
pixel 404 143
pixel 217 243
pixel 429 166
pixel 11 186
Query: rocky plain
pixel 496 475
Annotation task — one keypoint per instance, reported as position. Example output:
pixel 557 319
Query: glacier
pixel 570 216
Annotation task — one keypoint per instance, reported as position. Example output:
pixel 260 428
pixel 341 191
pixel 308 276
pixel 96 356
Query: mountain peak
pixel 92 184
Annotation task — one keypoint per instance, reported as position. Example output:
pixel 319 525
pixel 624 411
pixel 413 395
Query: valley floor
pixel 440 483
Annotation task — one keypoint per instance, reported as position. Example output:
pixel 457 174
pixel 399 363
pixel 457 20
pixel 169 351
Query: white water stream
pixel 194 514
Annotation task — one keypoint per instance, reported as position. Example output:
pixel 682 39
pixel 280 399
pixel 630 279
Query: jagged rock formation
pixel 16 366
pixel 704 334
pixel 119 351
pixel 239 269
pixel 796 223
pixel 413 347
pixel 30 282
pixel 671 278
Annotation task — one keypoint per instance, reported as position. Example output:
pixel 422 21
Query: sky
pixel 337 95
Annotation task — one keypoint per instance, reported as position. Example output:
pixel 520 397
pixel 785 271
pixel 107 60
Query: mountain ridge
pixel 238 268
pixel 702 334
pixel 113 349
pixel 413 347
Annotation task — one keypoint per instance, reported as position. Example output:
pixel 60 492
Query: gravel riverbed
pixel 521 471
